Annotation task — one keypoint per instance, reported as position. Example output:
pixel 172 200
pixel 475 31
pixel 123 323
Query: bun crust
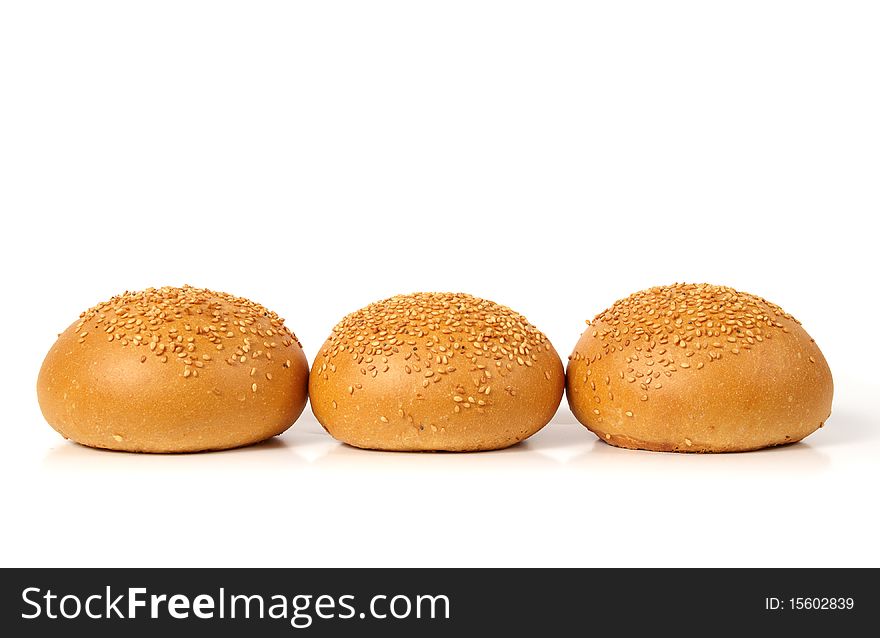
pixel 698 368
pixel 174 370
pixel 435 371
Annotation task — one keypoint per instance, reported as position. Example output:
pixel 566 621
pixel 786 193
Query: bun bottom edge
pixel 157 450
pixel 439 450
pixel 629 443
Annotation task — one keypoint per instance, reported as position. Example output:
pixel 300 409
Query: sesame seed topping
pixel 179 324
pixel 441 339
pixel 676 329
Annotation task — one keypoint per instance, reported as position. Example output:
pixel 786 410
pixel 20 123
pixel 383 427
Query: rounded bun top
pixel 173 370
pixel 683 326
pixel 190 327
pixel 700 368
pixel 728 320
pixel 454 327
pixel 435 371
pixel 463 347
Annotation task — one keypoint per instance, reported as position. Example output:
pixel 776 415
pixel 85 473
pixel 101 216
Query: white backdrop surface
pixel 550 156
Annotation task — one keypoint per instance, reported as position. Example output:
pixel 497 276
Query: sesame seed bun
pixel 435 371
pixel 174 370
pixel 698 368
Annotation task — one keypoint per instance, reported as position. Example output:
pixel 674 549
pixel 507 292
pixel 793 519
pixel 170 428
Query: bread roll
pixel 174 370
pixel 698 368
pixel 435 371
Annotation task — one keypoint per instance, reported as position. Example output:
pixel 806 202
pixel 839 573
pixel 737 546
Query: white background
pixel 550 156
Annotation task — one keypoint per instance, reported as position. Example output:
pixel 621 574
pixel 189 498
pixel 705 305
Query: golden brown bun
pixel 174 370
pixel 435 371
pixel 698 368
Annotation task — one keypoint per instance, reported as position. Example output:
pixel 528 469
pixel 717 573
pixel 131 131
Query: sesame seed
pixel 692 317
pixel 434 335
pixel 182 321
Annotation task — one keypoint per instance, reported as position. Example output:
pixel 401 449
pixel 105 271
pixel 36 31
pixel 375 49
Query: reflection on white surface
pixel 563 443
pixel 68 456
pixel 560 498
pixel 799 457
